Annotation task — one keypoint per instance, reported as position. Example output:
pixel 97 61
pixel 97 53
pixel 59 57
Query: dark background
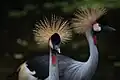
pixel 17 21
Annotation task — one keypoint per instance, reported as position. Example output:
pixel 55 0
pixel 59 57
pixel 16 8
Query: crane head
pixel 55 30
pixel 98 28
pixel 86 17
pixel 86 20
pixel 54 42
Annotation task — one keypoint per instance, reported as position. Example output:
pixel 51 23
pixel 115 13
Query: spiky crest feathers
pixel 86 16
pixel 44 29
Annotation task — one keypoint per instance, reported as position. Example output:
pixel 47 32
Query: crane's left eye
pixel 96 27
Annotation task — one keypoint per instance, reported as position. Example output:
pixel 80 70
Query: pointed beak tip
pixel 110 28
pixel 113 29
pixel 58 50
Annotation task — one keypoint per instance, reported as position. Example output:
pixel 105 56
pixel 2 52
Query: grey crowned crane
pixel 47 33
pixel 85 22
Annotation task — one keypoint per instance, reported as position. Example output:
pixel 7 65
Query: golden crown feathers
pixel 45 28
pixel 86 16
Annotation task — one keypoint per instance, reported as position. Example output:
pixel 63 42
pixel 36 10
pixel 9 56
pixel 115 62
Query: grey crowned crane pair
pixel 56 66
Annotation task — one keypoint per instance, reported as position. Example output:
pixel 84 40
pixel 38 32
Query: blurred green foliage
pixel 65 6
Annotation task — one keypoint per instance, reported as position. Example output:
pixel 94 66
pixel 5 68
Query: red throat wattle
pixel 53 59
pixel 95 39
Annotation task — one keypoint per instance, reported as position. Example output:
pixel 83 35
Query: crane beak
pixel 57 48
pixel 107 28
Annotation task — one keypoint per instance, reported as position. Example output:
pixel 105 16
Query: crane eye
pixel 96 27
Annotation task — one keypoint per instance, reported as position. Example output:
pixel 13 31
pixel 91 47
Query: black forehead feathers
pixel 55 39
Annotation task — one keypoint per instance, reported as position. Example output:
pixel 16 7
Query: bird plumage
pixel 25 73
pixel 52 34
pixel 86 16
pixel 83 22
pixel 84 70
pixel 38 67
pixel 46 28
pixel 68 68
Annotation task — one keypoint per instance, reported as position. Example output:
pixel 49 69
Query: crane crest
pixel 45 28
pixel 86 16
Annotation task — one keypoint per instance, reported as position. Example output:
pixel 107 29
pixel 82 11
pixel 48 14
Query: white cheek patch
pixel 96 27
pixel 50 44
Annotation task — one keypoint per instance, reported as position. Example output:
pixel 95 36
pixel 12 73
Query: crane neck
pixel 53 66
pixel 93 58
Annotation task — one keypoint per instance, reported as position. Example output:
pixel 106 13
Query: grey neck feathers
pixel 93 58
pixel 53 69
pixel 50 62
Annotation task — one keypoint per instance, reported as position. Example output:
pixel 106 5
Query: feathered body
pixel 70 69
pixel 38 67
pixel 47 34
pixel 85 19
